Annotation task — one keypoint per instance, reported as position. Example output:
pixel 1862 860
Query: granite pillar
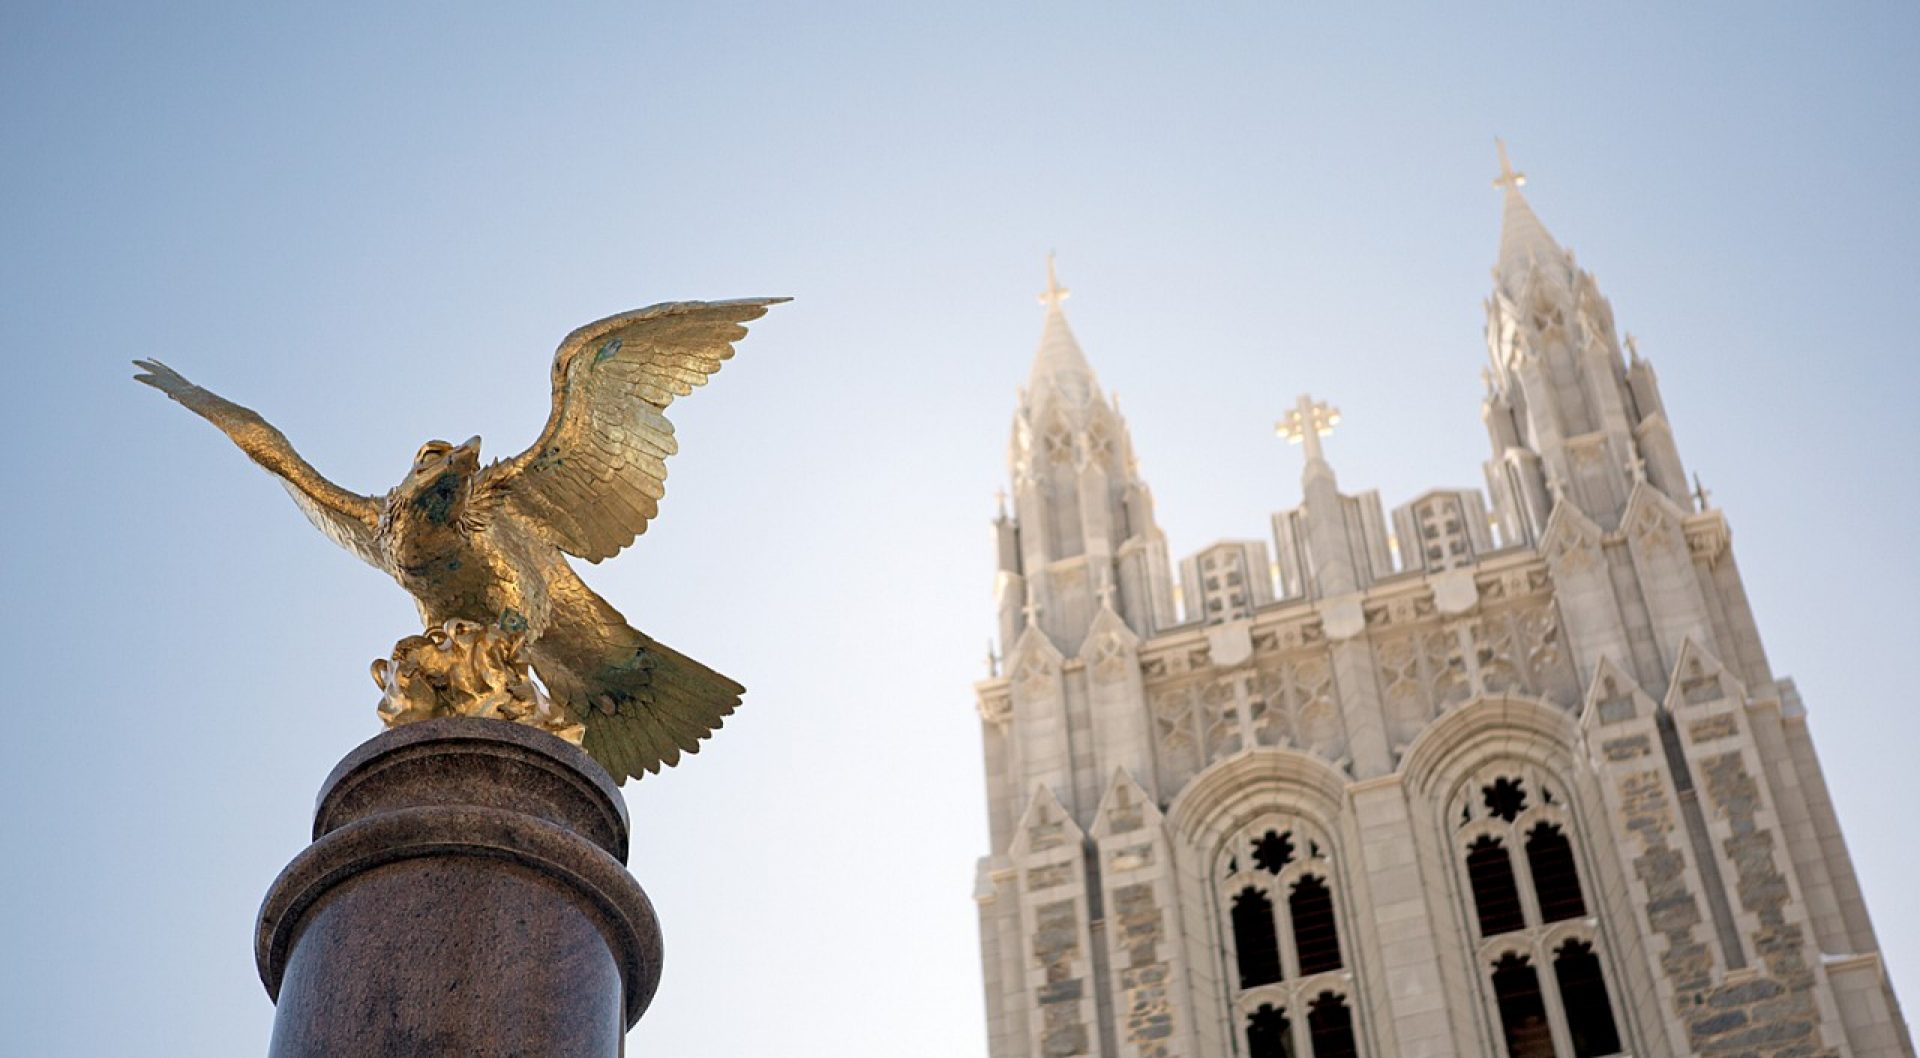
pixel 465 894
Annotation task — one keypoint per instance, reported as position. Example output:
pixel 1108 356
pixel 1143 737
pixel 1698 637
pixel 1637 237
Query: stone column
pixel 464 895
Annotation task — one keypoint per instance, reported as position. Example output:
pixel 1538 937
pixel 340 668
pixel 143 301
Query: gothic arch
pixel 1487 726
pixel 1253 781
pixel 1453 768
pixel 1295 803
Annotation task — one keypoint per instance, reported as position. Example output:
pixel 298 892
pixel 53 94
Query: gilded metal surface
pixel 485 544
pixel 466 669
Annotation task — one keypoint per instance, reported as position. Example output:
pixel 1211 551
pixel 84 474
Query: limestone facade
pixel 1493 774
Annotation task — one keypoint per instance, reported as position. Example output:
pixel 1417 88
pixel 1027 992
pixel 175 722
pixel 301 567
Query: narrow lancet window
pixel 1316 939
pixel 1254 938
pixel 1523 1011
pixel 1330 1026
pixel 1583 993
pixel 1555 880
pixel 1269 1033
pixel 1496 896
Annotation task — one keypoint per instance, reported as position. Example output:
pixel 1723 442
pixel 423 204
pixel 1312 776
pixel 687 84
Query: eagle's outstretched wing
pixel 594 479
pixel 348 518
pixel 643 703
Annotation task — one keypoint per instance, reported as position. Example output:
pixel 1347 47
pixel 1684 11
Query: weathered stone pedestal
pixel 464 895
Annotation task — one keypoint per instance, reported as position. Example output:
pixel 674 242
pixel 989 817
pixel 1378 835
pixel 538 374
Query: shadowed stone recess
pixel 465 894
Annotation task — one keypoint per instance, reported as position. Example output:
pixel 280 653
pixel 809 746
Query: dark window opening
pixel 1523 1011
pixel 1254 939
pixel 1316 938
pixel 1506 799
pixel 1583 992
pixel 1496 896
pixel 1269 1033
pixel 1330 1026
pixel 1233 865
pixel 1555 880
pixel 1273 851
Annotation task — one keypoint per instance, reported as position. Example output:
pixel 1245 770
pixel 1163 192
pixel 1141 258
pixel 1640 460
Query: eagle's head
pixel 438 484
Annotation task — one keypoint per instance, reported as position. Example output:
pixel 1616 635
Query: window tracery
pixel 1294 994
pixel 1546 985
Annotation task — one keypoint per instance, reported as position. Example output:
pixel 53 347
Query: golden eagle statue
pixel 484 544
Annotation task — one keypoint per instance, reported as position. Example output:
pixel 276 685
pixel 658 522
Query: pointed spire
pixel 1524 240
pixel 1059 360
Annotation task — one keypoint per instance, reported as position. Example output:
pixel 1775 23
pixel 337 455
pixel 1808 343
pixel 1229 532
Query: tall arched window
pixel 1523 1011
pixel 1513 834
pixel 1496 896
pixel 1278 887
pixel 1254 941
pixel 1555 879
pixel 1583 992
pixel 1330 1027
pixel 1316 937
pixel 1269 1033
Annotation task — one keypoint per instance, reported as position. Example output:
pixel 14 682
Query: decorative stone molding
pixel 1571 541
pixel 1708 537
pixel 1343 617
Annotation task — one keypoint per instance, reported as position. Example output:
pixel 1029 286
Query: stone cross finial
pixel 1055 293
pixel 1633 347
pixel 1638 467
pixel 1031 610
pixel 1508 178
pixel 1105 594
pixel 1700 493
pixel 1000 501
pixel 1556 486
pixel 1307 423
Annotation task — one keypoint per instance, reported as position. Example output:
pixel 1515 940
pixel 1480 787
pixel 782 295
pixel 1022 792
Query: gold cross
pixel 1508 179
pixel 1055 293
pixel 1307 423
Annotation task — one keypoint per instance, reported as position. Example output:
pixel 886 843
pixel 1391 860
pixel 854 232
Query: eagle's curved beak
pixel 466 455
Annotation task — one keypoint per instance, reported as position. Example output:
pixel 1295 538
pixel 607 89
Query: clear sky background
pixel 373 225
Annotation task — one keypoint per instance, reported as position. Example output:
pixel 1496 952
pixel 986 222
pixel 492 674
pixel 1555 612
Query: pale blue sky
pixel 372 226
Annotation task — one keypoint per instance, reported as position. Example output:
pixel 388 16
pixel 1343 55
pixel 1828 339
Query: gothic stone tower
pixel 1524 784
